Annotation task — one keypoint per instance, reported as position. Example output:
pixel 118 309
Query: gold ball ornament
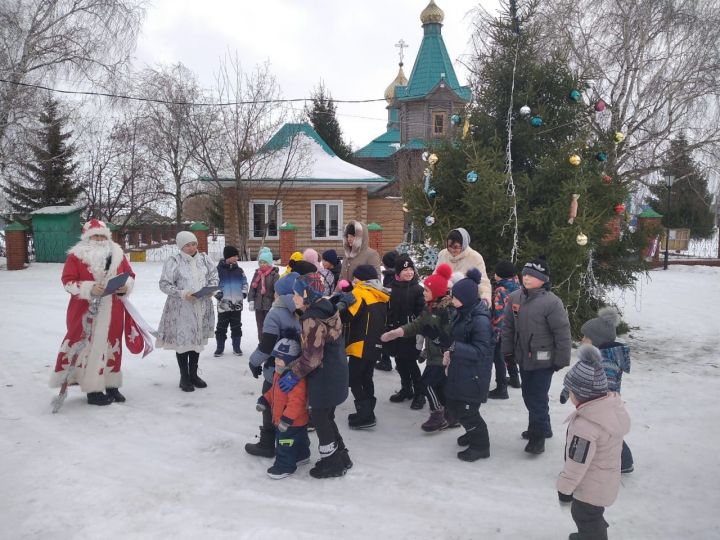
pixel 432 159
pixel 619 136
pixel 574 160
pixel 581 239
pixel 406 209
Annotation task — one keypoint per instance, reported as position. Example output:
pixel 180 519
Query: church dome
pixel 432 14
pixel 400 80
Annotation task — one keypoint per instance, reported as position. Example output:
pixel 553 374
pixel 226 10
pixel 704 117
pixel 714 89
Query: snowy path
pixel 171 465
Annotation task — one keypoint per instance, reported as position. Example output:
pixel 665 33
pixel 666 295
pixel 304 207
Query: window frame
pixel 328 203
pixel 443 116
pixel 268 203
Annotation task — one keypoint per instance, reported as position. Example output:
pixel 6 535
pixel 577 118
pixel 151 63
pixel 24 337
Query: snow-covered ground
pixel 168 464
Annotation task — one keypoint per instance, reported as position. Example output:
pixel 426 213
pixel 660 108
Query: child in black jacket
pixel 388 276
pixel 406 303
pixel 468 357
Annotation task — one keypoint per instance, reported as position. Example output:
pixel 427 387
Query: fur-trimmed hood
pixel 361 239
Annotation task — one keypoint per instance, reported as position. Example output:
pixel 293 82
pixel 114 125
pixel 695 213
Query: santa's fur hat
pixel 93 227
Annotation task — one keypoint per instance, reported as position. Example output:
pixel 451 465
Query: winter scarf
pixel 262 273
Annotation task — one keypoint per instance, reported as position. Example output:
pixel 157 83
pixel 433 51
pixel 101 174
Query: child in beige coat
pixel 591 477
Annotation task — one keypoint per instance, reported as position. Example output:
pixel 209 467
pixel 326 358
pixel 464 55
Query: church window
pixel 438 124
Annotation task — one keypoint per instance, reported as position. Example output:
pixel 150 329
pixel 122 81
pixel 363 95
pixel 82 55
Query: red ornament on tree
pixel 607 179
pixel 600 105
pixel 619 208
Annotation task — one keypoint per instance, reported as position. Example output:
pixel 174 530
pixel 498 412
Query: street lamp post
pixel 669 180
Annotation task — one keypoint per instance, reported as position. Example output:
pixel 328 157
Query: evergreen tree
pixel 48 179
pixel 322 116
pixel 544 179
pixel 690 200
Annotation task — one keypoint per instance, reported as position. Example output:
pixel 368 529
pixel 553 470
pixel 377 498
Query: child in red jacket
pixel 289 415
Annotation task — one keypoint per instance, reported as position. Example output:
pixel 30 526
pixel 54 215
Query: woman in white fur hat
pixel 187 321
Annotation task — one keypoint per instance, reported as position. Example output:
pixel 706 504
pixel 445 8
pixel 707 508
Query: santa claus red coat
pixel 96 345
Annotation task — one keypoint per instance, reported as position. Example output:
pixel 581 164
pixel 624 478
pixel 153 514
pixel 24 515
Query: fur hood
pixel 361 239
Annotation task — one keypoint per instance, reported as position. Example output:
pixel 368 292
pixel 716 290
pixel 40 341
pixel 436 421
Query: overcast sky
pixel 349 45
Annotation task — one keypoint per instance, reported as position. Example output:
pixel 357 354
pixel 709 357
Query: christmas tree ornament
pixel 619 208
pixel 466 128
pixel 429 221
pixel 574 160
pixel 581 239
pixel 432 159
pixel 431 193
pixel 619 136
pixel 573 208
pixel 524 110
pixel 536 121
pixel 607 179
pixel 601 156
pixel 427 172
pixel 455 119
pixel 600 105
pixel 575 95
pixel 471 177
pixel 406 208
pixel 425 156
pixel 475 131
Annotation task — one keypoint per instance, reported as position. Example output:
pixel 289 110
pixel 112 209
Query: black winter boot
pixel 418 402
pixel 331 466
pixel 220 346
pixel 365 416
pixel 384 364
pixel 265 447
pixel 196 381
pixel 186 384
pixel 514 380
pixel 500 392
pixel 536 443
pixel 526 434
pixel 404 393
pixel 236 346
pixel 479 441
pixel 98 398
pixel 115 395
pixel 473 454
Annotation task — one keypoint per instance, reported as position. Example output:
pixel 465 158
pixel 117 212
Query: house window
pixel 264 214
pixel 438 124
pixel 326 219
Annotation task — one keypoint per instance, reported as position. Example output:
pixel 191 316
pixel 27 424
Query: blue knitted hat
pixel 284 285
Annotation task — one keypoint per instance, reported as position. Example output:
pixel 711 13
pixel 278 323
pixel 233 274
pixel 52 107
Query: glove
pixel 262 404
pixel 284 424
pixel 565 498
pixel 564 395
pixel 432 332
pixel 244 295
pixel 288 381
pixel 445 340
pixel 255 370
pixel 218 296
pixel 251 306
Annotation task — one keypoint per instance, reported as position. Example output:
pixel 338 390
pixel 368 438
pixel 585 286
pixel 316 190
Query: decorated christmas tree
pixel 528 177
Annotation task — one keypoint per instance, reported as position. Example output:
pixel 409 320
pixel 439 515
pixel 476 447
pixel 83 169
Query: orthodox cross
pixel 401 45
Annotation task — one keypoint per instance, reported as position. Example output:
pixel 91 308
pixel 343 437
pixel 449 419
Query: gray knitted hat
pixel 587 379
pixel 601 329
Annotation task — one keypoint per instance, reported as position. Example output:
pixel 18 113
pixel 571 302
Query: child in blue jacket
pixel 233 290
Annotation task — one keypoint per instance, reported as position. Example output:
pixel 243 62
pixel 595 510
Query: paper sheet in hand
pixel 115 283
pixel 206 291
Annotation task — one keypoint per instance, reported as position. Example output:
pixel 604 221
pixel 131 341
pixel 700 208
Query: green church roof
pixel 431 62
pixel 381 147
pixel 649 213
pixel 286 134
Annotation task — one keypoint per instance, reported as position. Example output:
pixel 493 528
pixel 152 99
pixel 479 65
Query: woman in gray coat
pixel 187 321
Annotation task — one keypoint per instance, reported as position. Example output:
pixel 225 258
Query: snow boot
pixel 404 393
pixel 472 453
pixel 500 392
pixel 436 422
pixel 464 439
pixel 526 434
pixel 418 402
pixel 265 447
pixel 98 398
pixel 365 416
pixel 330 467
pixel 452 421
pixel 115 395
pixel 236 346
pixel 196 381
pixel 514 380
pixel 220 348
pixel 186 384
pixel 384 364
pixel 536 443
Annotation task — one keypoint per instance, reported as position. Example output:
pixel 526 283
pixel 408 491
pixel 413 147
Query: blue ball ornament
pixel 471 177
pixel 601 156
pixel 575 95
pixel 455 119
pixel 431 193
pixel 536 121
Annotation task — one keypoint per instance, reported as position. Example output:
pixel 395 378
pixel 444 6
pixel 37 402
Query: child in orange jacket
pixel 289 415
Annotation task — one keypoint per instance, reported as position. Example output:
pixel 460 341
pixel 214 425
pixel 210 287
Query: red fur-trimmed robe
pixel 98 362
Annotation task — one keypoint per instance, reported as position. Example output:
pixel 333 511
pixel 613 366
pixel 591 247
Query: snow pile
pixel 167 464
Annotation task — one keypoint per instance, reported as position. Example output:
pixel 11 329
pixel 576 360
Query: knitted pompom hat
pixel 466 290
pixel 587 379
pixel 437 283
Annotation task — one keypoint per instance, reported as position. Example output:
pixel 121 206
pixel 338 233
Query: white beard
pixel 94 253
